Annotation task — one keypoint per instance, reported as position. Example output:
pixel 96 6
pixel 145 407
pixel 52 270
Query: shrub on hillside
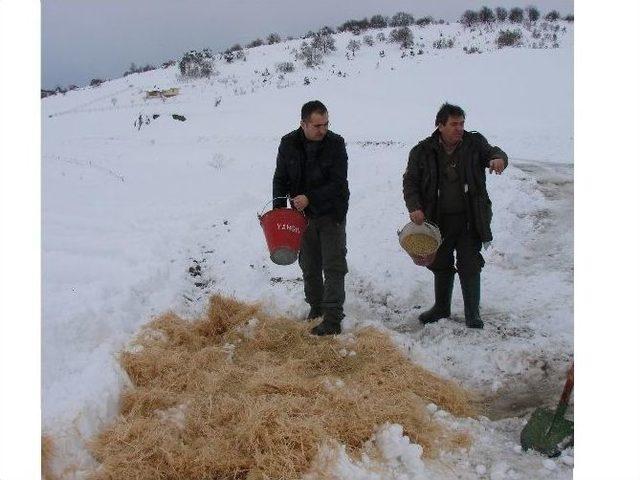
pixel 95 82
pixel 326 30
pixel 135 69
pixel 309 55
pixel 234 52
pixel 368 40
pixel 354 26
pixel 381 36
pixel 509 38
pixel 533 14
pixel 196 64
pixel 443 43
pixel 132 69
pixel 403 36
pixel 552 16
pixel 516 15
pixel 501 14
pixel 168 63
pixel 473 49
pixel 402 19
pixel 378 21
pixel 469 18
pixel 486 15
pixel 273 38
pixel 424 21
pixel 285 67
pixel 258 42
pixel 323 43
pixel 569 17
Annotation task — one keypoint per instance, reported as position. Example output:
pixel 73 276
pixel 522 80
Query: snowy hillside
pixel 129 207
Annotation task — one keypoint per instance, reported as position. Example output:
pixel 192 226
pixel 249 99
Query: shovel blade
pixel 542 434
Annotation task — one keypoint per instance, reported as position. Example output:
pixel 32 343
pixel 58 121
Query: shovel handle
pixel 568 388
pixel 564 399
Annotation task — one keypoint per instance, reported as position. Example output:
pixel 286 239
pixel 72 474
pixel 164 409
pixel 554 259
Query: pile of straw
pixel 241 395
pixel 46 457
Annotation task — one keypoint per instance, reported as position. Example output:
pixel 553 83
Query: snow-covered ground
pixel 127 211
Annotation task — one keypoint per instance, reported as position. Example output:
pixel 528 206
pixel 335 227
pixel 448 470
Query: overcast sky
pixel 85 39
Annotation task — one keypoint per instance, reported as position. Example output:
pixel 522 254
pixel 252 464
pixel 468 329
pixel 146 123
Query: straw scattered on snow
pixel 238 394
pixel 46 457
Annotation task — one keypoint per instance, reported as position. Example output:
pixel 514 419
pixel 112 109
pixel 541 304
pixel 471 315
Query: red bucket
pixel 283 229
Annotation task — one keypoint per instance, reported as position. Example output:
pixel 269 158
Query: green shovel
pixel 547 431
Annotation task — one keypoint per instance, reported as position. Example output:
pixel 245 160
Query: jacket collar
pixel 434 139
pixel 301 139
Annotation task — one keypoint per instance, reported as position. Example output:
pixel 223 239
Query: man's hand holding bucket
pixel 300 202
pixel 417 217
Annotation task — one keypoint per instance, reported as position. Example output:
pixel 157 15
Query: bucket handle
pixel 426 222
pixel 270 201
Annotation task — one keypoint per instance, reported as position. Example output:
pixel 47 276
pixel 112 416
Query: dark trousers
pixel 323 259
pixel 458 237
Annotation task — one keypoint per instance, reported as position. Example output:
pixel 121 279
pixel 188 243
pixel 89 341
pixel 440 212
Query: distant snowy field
pixel 127 211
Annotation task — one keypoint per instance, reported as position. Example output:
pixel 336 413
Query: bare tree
pixel 323 43
pixel 402 19
pixel 552 16
pixel 533 13
pixel 424 21
pixel 378 21
pixel 403 36
pixel 486 15
pixel 353 45
pixel 501 14
pixel 516 15
pixel 309 55
pixel 469 17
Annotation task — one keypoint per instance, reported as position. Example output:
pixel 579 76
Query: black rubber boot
pixel 330 324
pixel 470 284
pixel 314 312
pixel 443 287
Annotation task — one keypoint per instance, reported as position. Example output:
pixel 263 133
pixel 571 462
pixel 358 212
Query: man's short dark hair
pixel 447 110
pixel 314 106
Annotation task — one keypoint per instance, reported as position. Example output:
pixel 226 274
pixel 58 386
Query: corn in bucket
pixel 421 242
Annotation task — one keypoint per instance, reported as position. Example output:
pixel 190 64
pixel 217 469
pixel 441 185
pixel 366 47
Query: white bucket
pixel 423 251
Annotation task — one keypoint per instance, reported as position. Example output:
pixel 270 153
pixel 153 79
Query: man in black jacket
pixel 311 169
pixel 445 183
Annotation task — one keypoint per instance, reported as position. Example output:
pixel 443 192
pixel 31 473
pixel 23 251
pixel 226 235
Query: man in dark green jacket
pixel 445 183
pixel 311 169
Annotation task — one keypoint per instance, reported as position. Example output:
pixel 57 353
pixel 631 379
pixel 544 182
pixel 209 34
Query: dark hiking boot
pixel 327 328
pixel 314 312
pixel 470 284
pixel 443 287
pixel 330 325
